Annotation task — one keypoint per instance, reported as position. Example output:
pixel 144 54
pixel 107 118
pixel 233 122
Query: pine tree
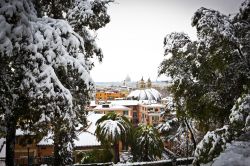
pixel 45 64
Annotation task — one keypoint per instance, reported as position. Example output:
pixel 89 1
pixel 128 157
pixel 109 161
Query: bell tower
pixel 142 84
pixel 149 83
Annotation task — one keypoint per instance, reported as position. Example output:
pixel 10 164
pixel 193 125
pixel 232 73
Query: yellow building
pixel 109 95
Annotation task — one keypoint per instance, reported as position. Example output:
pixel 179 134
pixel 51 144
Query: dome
pixel 145 94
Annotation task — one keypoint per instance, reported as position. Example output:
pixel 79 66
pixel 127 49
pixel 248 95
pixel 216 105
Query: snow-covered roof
pixel 145 94
pixel 168 98
pixel 111 108
pixel 124 102
pixel 92 103
pixel 91 119
pixel 20 132
pixel 86 139
pixel 2 148
pixel 47 140
pixel 154 105
pixel 155 114
pixel 146 102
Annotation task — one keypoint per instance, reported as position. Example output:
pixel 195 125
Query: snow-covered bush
pixel 95 156
pixel 214 142
pixel 212 145
pixel 240 113
pixel 164 126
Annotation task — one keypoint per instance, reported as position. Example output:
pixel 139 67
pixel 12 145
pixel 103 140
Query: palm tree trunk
pixel 116 150
pixel 145 157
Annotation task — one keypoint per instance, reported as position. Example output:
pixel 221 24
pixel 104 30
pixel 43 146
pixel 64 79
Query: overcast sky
pixel 132 42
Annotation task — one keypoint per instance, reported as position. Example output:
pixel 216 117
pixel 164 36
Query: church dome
pixel 145 94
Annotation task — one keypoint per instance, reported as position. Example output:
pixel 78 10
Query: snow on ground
pixel 236 154
pixel 155 163
pixel 2 148
pixel 2 163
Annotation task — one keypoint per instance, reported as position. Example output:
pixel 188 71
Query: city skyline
pixel 132 42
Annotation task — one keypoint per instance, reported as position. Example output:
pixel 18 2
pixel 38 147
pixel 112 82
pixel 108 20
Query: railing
pixel 178 161
pixel 95 164
pixel 49 161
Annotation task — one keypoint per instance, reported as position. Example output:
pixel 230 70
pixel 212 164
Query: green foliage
pixel 147 144
pixel 96 156
pixel 208 74
pixel 214 142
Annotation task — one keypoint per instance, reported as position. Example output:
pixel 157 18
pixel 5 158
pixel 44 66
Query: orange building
pixel 109 95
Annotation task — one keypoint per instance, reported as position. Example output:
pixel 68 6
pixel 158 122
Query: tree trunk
pixel 116 150
pixel 145 157
pixel 58 161
pixel 62 137
pixel 10 140
pixel 191 132
pixel 192 136
pixel 57 158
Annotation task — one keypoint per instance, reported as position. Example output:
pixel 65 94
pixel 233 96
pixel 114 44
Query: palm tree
pixel 147 144
pixel 111 129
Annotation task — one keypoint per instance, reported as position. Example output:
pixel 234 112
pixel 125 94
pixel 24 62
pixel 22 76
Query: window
pixel 105 106
pixel 155 118
pixel 125 113
pixel 135 114
pixel 150 109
